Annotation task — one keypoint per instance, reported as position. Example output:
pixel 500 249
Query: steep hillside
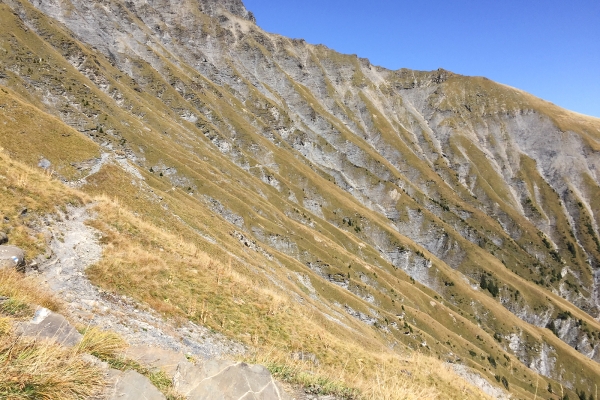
pixel 380 209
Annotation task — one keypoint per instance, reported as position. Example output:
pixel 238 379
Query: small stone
pixel 44 164
pixel 3 238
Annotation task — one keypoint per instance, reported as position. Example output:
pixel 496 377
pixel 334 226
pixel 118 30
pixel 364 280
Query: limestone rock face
pixel 11 256
pixel 210 7
pixel 235 7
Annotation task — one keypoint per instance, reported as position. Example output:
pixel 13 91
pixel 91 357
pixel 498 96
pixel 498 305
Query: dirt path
pixel 74 247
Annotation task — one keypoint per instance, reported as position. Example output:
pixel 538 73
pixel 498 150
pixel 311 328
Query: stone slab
pixel 227 380
pixel 48 325
pixel 131 385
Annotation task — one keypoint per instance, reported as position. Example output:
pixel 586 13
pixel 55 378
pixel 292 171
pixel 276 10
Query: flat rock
pixel 48 325
pixel 156 358
pixel 11 256
pixel 227 380
pixel 131 385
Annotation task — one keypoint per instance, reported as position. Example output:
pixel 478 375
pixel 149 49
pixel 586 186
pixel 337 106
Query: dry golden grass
pixel 22 292
pixel 100 343
pixel 34 369
pixel 184 282
pixel 5 326
pixel 31 369
pixel 414 377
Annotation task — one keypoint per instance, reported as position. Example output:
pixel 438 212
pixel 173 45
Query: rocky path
pixel 74 247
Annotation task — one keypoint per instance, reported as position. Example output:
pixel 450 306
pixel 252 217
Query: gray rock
pixel 130 385
pixel 227 380
pixel 33 266
pixel 11 256
pixel 48 325
pixel 3 238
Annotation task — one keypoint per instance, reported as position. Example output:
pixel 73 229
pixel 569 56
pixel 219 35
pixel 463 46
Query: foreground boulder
pixel 226 380
pixel 130 385
pixel 48 325
pixel 11 257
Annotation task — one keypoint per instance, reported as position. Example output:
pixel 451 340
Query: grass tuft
pixel 5 326
pixel 31 369
pixel 101 344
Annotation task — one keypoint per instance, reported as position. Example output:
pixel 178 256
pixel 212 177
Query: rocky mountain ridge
pixel 341 171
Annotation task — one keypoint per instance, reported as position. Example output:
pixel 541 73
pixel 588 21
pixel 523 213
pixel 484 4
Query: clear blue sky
pixel 549 48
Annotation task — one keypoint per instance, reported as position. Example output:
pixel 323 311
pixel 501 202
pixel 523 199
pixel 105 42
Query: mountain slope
pixel 381 200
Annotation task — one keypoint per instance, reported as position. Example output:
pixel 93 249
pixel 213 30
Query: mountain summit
pixel 294 198
pixel 235 7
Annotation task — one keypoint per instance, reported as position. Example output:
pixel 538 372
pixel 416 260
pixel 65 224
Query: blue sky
pixel 546 47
